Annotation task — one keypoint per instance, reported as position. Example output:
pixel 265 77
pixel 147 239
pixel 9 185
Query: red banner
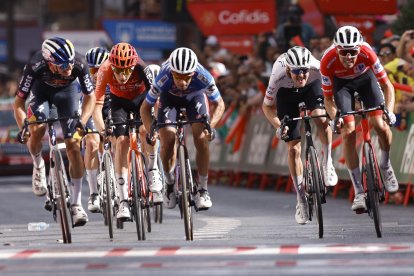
pixel 240 44
pixel 233 17
pixel 365 24
pixel 374 7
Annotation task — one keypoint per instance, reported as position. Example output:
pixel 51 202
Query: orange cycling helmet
pixel 123 55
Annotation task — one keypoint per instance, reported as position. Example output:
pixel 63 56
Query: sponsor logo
pixel 27 83
pixel 226 17
pixel 202 78
pixel 326 81
pixel 162 81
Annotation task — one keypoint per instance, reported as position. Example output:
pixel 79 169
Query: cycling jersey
pixel 37 69
pixel 279 78
pixel 136 84
pixel 332 67
pixel 202 81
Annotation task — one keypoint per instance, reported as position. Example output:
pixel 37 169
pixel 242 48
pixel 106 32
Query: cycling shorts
pixel 120 108
pixel 287 103
pixel 195 104
pixel 65 99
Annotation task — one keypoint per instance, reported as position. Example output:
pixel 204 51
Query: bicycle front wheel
pixel 372 179
pixel 185 197
pixel 60 196
pixel 136 198
pixel 107 195
pixel 316 180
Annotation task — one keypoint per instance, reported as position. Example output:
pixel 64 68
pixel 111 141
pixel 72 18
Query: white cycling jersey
pixel 279 78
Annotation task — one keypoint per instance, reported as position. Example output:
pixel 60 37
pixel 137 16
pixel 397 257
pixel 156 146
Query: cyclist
pixel 124 73
pixel 296 78
pixel 351 65
pixel 50 77
pixel 94 57
pixel 184 83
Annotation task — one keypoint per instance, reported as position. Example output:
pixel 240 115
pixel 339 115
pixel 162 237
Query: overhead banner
pixel 142 33
pixel 233 17
pixel 374 7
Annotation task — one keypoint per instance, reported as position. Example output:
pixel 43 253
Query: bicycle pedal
pixel 201 209
pixel 48 206
pixel 79 223
pixel 124 219
pixel 361 211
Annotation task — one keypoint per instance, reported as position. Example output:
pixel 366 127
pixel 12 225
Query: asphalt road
pixel 246 232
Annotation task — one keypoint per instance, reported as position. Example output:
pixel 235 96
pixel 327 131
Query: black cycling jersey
pixel 37 69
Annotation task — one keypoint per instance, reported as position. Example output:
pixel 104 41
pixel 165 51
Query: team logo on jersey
pixel 359 68
pixel 36 65
pixel 202 78
pixel 326 81
pixel 162 81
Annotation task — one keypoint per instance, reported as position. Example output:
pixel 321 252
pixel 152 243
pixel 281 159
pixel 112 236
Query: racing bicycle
pixel 314 182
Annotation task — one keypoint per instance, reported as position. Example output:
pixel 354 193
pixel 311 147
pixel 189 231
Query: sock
pixel 356 180
pixel 152 164
pixel 327 153
pixel 298 183
pixel 92 180
pixel 202 185
pixel 76 191
pixel 38 161
pixel 385 159
pixel 170 177
pixel 122 185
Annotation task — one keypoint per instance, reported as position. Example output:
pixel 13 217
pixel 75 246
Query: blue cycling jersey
pixel 202 81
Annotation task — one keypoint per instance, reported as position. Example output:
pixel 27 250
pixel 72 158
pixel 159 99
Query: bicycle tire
pixel 145 193
pixel 372 190
pixel 316 185
pixel 64 213
pixel 108 194
pixel 136 200
pixel 186 206
pixel 157 208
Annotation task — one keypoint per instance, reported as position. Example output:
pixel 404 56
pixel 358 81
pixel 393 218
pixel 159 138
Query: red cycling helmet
pixel 123 55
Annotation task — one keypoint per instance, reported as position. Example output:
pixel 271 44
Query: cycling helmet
pixel 123 55
pixel 151 71
pixel 348 37
pixel 58 50
pixel 298 57
pixel 183 61
pixel 96 56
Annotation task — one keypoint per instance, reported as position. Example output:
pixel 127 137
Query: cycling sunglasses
pixel 125 71
pixel 298 71
pixel 384 54
pixel 352 52
pixel 65 65
pixel 184 77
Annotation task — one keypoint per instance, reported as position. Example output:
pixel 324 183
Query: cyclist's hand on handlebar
pixel 389 117
pixel 23 136
pixel 281 132
pixel 211 135
pixel 151 138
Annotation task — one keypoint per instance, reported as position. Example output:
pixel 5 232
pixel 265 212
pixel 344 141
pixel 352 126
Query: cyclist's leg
pixel 66 101
pixel 91 165
pixel 314 101
pixel 345 102
pixel 120 114
pixel 38 108
pixel 373 97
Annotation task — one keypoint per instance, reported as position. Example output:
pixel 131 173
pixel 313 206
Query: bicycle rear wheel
pixel 107 181
pixel 185 197
pixel 316 178
pixel 372 179
pixel 145 193
pixel 136 199
pixel 60 196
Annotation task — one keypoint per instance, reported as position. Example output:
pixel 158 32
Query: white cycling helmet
pixel 183 61
pixel 151 71
pixel 298 57
pixel 348 37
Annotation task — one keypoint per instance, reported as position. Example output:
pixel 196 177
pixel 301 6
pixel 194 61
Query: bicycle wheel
pixel 61 195
pixel 372 185
pixel 136 199
pixel 107 194
pixel 158 207
pixel 316 178
pixel 185 197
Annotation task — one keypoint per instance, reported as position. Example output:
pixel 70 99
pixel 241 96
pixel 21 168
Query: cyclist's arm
pixel 19 111
pixel 330 106
pixel 271 115
pixel 146 117
pixel 88 105
pixel 97 116
pixel 216 110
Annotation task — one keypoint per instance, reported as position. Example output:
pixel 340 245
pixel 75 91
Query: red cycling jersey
pixel 136 84
pixel 332 67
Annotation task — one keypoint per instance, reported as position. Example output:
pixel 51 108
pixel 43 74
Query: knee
pixel 92 143
pixel 294 152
